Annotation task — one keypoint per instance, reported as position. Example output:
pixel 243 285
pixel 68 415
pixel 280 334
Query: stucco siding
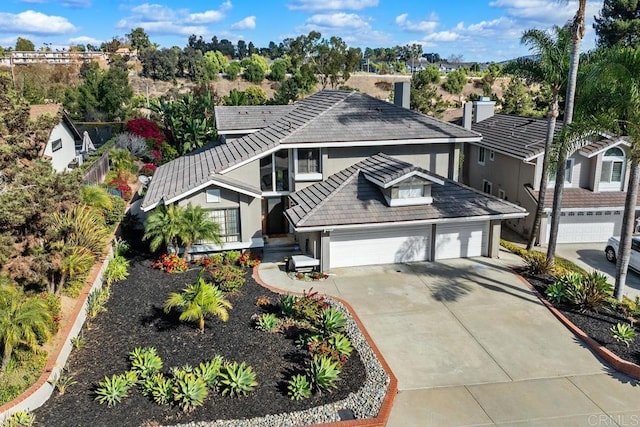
pixel 61 158
pixel 249 173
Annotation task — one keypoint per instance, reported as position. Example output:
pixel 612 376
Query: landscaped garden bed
pixel 135 318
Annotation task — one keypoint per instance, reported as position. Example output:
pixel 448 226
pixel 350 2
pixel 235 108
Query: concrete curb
pixel 392 389
pixel 620 365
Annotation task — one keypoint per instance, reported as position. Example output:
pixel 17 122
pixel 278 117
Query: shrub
pixel 116 213
pixel 135 144
pixel 145 128
pixel 20 419
pixel 54 306
pixel 324 372
pixel 148 169
pixel 248 259
pixel 267 322
pixel 263 302
pixel 341 344
pixel 556 292
pixel 189 391
pixel 96 302
pixel 228 278
pixel 512 247
pixel 117 270
pixel 145 361
pixel 122 186
pixel 590 292
pixel 159 388
pixel 232 257
pixel 623 332
pixel 537 263
pixel 23 370
pixel 209 371
pixel 112 390
pixel 299 387
pixel 212 261
pixel 120 247
pixel 74 287
pixel 306 307
pixel 331 321
pixel 171 263
pixel 237 379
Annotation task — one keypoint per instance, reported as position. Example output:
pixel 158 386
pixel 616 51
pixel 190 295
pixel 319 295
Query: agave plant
pixel 324 372
pixel 189 391
pixel 112 389
pixel 237 379
pixel 299 387
pixel 145 361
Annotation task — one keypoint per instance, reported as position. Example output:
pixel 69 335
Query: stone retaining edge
pixel 392 388
pixel 620 365
pixel 39 392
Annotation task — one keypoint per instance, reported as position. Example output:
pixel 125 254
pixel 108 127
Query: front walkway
pixel 471 345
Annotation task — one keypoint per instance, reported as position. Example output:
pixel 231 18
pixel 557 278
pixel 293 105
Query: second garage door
pixel 388 246
pixel 462 240
pixel 589 226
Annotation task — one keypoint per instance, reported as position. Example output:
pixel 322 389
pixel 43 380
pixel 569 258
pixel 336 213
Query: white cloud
pixel 426 26
pixel 32 22
pixel 317 5
pixel 207 17
pixel 442 36
pixel 65 3
pixel 338 20
pixel 85 40
pixel 248 23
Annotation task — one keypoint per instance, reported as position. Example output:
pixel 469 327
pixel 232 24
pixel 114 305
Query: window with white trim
pixel 308 161
pixel 410 191
pixel 481 155
pixel 274 172
pixel 213 195
pixel 487 186
pixel 568 174
pixel 229 222
pixel 612 171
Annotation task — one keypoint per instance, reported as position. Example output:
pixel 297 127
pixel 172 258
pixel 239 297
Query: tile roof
pixel 582 198
pixel 230 118
pixel 325 117
pixel 601 145
pixel 348 198
pixel 516 136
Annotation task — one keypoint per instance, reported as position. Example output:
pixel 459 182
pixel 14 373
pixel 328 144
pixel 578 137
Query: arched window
pixel 612 172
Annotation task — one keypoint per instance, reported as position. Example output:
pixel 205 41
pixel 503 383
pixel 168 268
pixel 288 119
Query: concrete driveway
pixel 591 257
pixel 471 345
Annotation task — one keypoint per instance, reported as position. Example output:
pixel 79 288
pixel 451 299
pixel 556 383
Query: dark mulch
pixel 135 319
pixel 597 325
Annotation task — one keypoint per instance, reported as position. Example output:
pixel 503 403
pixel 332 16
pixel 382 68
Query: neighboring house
pixel 248 183
pixel 60 148
pixel 507 163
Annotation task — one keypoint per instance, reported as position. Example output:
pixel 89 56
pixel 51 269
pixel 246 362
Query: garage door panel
pixel 587 227
pixel 462 240
pixel 395 245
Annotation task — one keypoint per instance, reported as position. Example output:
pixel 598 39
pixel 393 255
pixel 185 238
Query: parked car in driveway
pixel 611 251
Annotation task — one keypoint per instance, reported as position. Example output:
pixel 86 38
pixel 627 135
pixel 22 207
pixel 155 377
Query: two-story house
pixel 507 163
pixel 358 181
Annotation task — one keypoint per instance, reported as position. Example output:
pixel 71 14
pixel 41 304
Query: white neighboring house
pixel 60 149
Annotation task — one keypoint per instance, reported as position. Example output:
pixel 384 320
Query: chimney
pixel 467 115
pixel 402 94
pixel 483 109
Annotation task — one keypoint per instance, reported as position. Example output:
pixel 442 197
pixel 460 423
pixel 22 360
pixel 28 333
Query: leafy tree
pixel 428 101
pixel 22 320
pixel 233 70
pixel 251 49
pixel 196 225
pixel 618 23
pixel 330 62
pixel 112 46
pixel 138 39
pixel 24 45
pixel 255 95
pixel 455 82
pixel 163 227
pixel 253 72
pixel 227 48
pixel 286 93
pixel 160 64
pixel 191 65
pixel 278 71
pixel 429 75
pixel 517 99
pixel 549 65
pixel 214 64
pixel 305 79
pixel 197 301
pixel 235 97
pixel 242 49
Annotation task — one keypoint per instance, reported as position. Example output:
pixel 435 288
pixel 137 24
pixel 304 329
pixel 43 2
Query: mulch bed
pixel 135 318
pixel 597 325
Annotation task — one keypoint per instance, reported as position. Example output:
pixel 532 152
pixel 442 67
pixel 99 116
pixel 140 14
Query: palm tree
pixel 550 67
pixel 197 301
pixel 80 226
pixel 611 93
pixel 163 227
pixel 196 225
pixel 577 33
pixel 22 320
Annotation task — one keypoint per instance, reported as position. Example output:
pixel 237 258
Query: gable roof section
pixel 247 118
pixel 329 117
pixel 386 171
pixel 515 136
pixel 604 144
pixel 348 199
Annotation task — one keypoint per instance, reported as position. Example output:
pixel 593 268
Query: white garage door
pixel 462 240
pixel 589 226
pixel 392 245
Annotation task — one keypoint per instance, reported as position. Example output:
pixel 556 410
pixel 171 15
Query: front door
pixel 273 221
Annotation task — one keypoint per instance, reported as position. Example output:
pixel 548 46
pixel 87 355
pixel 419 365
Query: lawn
pixel 135 317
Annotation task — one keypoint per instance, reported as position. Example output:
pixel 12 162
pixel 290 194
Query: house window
pixel 410 191
pixel 274 172
pixel 213 195
pixel 229 222
pixel 308 160
pixel 612 168
pixel 568 174
pixel 56 145
pixel 487 186
pixel 481 155
pixel 502 194
pixel 492 155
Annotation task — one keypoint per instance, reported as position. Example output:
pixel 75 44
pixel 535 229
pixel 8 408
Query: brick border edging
pixel 392 389
pixel 620 365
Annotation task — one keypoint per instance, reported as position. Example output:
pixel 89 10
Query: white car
pixel 611 251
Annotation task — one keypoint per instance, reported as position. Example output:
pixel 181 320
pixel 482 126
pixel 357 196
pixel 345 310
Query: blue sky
pixel 479 30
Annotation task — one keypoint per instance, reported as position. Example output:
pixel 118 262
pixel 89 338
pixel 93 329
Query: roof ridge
pixel 355 173
pixel 310 120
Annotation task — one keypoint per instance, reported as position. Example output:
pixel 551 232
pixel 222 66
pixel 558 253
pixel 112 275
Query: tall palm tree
pixel 550 67
pixel 163 227
pixel 196 225
pixel 611 92
pixel 577 33
pixel 197 301
pixel 22 320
